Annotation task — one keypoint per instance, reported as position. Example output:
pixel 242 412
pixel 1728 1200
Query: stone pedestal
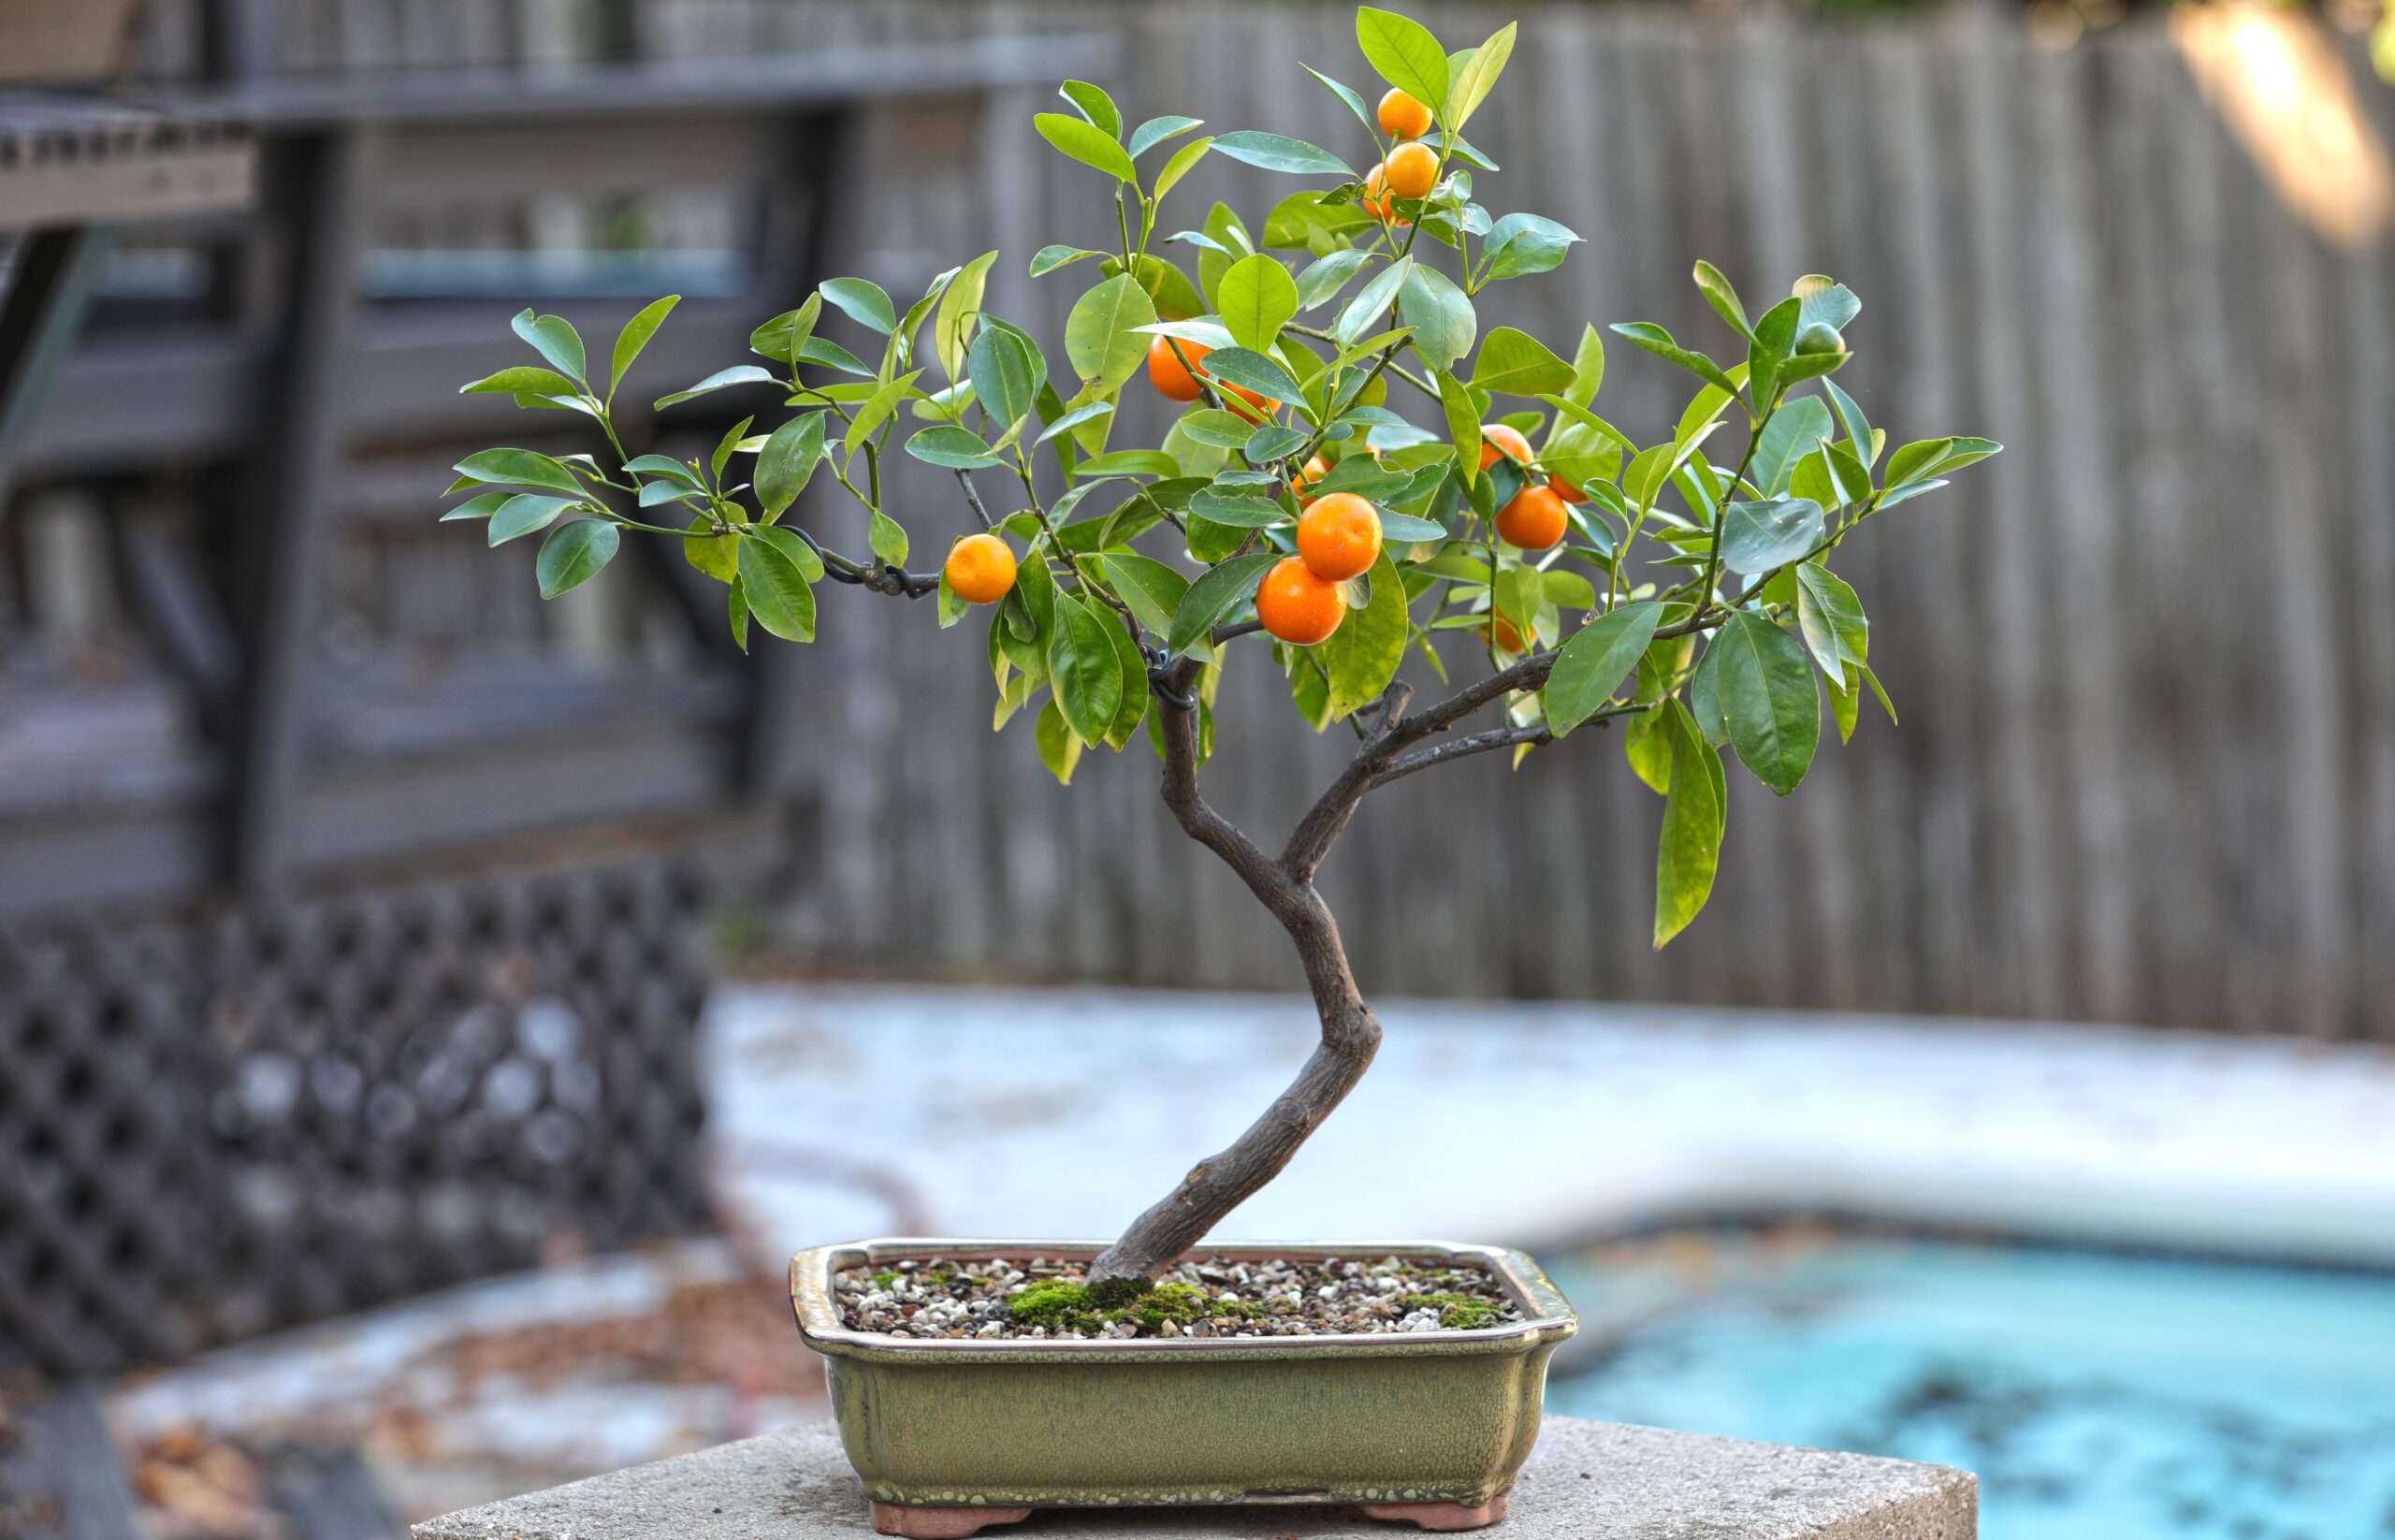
pixel 1586 1481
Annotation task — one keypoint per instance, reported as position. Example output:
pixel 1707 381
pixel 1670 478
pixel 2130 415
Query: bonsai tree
pixel 1550 571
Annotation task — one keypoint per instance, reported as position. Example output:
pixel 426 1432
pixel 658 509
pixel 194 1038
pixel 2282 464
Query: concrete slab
pixel 1586 1481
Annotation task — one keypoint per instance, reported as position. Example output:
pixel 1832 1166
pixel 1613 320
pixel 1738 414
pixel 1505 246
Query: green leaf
pixel 1215 591
pixel 1060 748
pixel 791 544
pixel 1405 54
pixel 1131 667
pixel 1094 105
pixel 876 410
pixel 554 338
pixel 785 337
pixel 959 308
pixel 1858 427
pixel 1360 658
pixel 1694 813
pixel 1050 258
pixel 956 448
pixel 1153 591
pixel 1824 301
pixel 1518 244
pixel 1587 375
pixel 1083 670
pixel 1278 152
pixel 1758 536
pixel 1187 156
pixel 1131 462
pixel 721 379
pixel 1647 744
pixel 1347 94
pixel 1088 412
pixel 518 468
pixel 1658 341
pixel 525 513
pixel 1518 364
pixel 1441 317
pixel 887 537
pixel 1478 76
pixel 1767 354
pixel 716 555
pixel 1000 368
pixel 1363 313
pixel 739 603
pixel 1099 339
pixel 523 379
pixel 1256 299
pixel 572 553
pixel 1238 507
pixel 1216 428
pixel 1323 279
pixel 1245 366
pixel 1831 618
pixel 777 592
pixel 1933 457
pixel 1156 131
pixel 1766 686
pixel 636 336
pixel 862 301
pixel 787 462
pixel 480 505
pixel 1085 142
pixel 1405 529
pixel 1271 443
pixel 1794 431
pixel 1723 299
pixel 1463 423
pixel 1596 660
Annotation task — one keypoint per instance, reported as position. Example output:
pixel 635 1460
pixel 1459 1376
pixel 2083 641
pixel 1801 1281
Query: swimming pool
pixel 2098 1396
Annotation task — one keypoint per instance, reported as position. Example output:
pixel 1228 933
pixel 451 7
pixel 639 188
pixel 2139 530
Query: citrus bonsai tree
pixel 1545 570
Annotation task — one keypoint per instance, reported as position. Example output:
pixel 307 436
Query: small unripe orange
pixel 1339 537
pixel 1533 520
pixel 980 570
pixel 1296 606
pixel 1411 171
pixel 1402 117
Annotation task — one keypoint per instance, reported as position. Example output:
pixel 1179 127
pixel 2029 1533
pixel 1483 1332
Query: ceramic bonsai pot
pixel 951 1435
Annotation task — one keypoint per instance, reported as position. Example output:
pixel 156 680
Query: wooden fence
pixel 2147 768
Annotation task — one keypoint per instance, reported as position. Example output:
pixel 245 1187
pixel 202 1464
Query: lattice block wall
pixel 216 1123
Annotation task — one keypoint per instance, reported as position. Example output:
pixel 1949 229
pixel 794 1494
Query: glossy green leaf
pixel 791 544
pixel 554 338
pixel 1323 278
pixel 1081 669
pixel 1657 340
pixel 1246 367
pixel 1794 431
pixel 777 592
pixel 1696 812
pixel 1758 536
pixel 953 447
pixel 862 301
pixel 722 379
pixel 1520 244
pixel 1518 364
pixel 1463 423
pixel 1156 131
pixel 959 308
pixel 518 468
pixel 1000 369
pixel 523 513
pixel 1184 160
pixel 716 555
pixel 787 462
pixel 1441 316
pixel 1153 591
pixel 784 338
pixel 1096 106
pixel 523 379
pixel 1595 660
pixel 1099 339
pixel 1765 684
pixel 573 553
pixel 636 336
pixel 1060 748
pixel 1478 76
pixel 1216 591
pixel 1405 54
pixel 1237 508
pixel 1773 345
pixel 1085 142
pixel 1360 658
pixel 887 537
pixel 1050 258
pixel 1278 152
pixel 1831 618
pixel 1723 299
pixel 1256 299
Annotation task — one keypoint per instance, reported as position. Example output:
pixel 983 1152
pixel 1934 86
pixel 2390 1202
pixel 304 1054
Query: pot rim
pixel 1547 1315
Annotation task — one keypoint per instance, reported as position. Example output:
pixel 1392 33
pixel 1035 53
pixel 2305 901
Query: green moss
pixel 1115 1293
pixel 1460 1311
pixel 1055 1304
pixel 886 1280
pixel 1237 1310
pixel 1062 1306
pixel 1183 1303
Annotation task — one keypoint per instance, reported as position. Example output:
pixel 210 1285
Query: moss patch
pixel 1062 1306
pixel 1460 1311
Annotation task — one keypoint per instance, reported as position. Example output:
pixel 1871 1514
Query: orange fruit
pixel 1169 374
pixel 1252 405
pixel 1315 469
pixel 1411 171
pixel 1497 436
pixel 1296 606
pixel 1533 520
pixel 1565 490
pixel 1377 202
pixel 1402 117
pixel 980 569
pixel 1507 636
pixel 1339 537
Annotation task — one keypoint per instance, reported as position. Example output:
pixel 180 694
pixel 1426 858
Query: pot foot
pixel 1442 1516
pixel 921 1522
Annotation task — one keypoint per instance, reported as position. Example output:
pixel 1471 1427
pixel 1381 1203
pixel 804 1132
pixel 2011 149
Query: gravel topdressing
pixel 1043 1297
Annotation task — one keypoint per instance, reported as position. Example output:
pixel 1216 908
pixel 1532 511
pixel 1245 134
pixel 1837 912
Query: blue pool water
pixel 2099 1396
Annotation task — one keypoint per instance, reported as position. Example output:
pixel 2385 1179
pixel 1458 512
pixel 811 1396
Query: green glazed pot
pixel 1429 1426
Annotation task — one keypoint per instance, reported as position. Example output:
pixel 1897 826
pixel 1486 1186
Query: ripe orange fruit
pixel 1296 606
pixel 1167 372
pixel 1507 636
pixel 1402 117
pixel 1411 171
pixel 1252 405
pixel 1565 490
pixel 1533 520
pixel 1497 436
pixel 980 569
pixel 1378 203
pixel 1339 537
pixel 1315 469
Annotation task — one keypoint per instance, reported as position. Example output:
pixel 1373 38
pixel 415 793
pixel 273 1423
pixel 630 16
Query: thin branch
pixel 964 479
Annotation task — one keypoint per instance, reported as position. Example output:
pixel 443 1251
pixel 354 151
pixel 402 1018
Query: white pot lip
pixel 1548 1316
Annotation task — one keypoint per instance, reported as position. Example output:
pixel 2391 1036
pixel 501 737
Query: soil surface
pixel 1042 1297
